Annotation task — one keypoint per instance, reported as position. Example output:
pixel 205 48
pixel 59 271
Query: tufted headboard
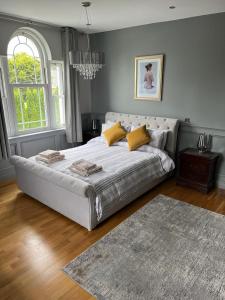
pixel 152 123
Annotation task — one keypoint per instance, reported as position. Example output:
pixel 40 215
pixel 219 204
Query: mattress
pixel 123 171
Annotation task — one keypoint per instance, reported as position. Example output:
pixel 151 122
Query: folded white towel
pixel 84 165
pixel 50 160
pixel 49 153
pixel 85 173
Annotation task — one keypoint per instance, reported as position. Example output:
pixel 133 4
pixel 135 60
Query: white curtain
pixel 72 107
pixel 4 144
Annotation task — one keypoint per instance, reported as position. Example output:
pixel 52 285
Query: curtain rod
pixel 13 18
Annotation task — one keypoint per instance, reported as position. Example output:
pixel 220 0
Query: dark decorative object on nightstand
pixel 197 169
pixel 93 132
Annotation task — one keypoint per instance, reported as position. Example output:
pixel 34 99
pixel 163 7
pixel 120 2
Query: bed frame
pixel 75 198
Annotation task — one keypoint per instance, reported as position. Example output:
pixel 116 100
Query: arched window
pixel 34 84
pixel 25 60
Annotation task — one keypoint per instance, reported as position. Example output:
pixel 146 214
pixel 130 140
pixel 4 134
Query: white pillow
pixel 165 133
pixel 126 126
pixel 106 126
pixel 158 137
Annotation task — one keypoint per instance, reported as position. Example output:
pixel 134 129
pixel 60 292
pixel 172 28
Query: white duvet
pixel 124 171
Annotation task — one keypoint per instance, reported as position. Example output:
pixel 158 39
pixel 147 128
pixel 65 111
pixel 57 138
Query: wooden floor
pixel 36 242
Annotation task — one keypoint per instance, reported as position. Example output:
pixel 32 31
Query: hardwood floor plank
pixel 37 242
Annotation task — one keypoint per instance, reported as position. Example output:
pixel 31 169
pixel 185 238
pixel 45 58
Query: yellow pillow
pixel 137 138
pixel 114 134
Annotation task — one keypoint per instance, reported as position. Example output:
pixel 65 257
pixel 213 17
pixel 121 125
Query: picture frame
pixel 148 77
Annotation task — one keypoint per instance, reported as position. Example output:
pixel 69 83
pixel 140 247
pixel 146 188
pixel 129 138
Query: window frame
pixel 7 87
pixel 60 62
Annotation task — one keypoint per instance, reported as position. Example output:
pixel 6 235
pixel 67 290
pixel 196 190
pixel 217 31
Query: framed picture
pixel 148 77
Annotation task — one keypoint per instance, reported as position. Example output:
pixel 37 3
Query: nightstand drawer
pixel 194 170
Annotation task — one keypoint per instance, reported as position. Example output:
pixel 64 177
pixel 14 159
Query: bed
pixel 126 174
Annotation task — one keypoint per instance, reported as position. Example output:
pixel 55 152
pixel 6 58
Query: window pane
pixel 24 61
pixel 30 108
pixel 57 93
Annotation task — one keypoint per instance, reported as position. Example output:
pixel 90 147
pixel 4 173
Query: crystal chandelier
pixel 88 62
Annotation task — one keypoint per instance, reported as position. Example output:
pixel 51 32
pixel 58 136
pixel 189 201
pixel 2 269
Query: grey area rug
pixel 166 250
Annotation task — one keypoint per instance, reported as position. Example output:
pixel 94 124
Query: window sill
pixel 36 135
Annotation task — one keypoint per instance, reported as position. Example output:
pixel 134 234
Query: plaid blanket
pixel 126 181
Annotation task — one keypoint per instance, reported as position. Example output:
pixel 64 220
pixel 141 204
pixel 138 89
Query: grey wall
pixel 194 76
pixel 51 34
pixel 29 145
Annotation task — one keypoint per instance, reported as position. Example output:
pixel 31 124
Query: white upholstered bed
pixel 82 199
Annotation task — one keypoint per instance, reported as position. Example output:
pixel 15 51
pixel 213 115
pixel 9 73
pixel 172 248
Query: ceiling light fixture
pixel 87 63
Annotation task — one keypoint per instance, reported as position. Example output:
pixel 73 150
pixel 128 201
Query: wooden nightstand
pixel 196 169
pixel 88 135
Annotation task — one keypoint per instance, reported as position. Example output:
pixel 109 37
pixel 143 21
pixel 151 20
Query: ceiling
pixel 108 15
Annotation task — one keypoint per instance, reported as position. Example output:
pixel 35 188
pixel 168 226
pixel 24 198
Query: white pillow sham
pixel 158 137
pixel 165 135
pixel 106 126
